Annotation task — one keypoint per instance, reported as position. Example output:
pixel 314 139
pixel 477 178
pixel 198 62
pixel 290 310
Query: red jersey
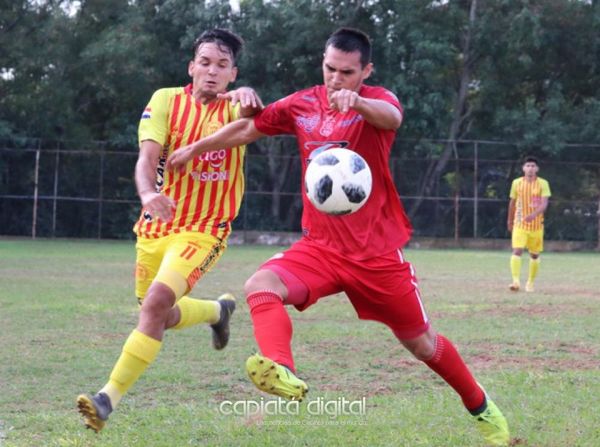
pixel 381 225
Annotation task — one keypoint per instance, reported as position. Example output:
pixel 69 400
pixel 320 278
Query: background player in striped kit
pixel 529 197
pixel 186 216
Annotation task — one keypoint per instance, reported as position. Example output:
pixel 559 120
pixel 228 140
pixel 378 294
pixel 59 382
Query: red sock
pixel 272 327
pixel 447 362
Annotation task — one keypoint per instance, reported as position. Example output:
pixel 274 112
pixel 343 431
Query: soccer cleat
pixel 515 286
pixel 273 378
pixel 95 410
pixel 220 335
pixel 529 287
pixel 492 425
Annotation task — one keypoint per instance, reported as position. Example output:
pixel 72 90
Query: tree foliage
pixel 85 72
pixel 524 72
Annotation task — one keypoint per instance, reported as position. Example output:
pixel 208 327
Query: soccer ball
pixel 338 181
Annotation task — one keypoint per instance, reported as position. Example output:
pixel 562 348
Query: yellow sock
pixel 138 352
pixel 195 311
pixel 534 266
pixel 515 268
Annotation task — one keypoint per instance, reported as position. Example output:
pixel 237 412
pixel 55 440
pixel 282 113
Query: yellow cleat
pixel 515 286
pixel 95 410
pixel 492 425
pixel 273 378
pixel 220 334
pixel 529 287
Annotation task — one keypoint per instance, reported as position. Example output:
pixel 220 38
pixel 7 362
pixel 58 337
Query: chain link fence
pixel 450 189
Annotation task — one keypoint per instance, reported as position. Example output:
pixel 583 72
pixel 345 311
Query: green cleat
pixel 492 425
pixel 95 410
pixel 220 335
pixel 272 378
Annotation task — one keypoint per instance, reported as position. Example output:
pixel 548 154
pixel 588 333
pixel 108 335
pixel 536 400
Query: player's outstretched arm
pixel 250 102
pixel 376 112
pixel 237 133
pixel 153 202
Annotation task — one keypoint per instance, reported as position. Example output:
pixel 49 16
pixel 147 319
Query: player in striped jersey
pixel 529 197
pixel 186 216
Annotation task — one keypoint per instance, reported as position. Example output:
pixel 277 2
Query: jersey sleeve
pixel 513 189
pixel 546 189
pixel 276 118
pixel 385 95
pixel 154 123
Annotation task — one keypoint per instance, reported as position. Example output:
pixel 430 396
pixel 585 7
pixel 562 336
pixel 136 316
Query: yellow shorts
pixel 178 260
pixel 533 241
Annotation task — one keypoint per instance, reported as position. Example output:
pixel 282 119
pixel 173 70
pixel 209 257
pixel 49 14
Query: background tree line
pixel 525 72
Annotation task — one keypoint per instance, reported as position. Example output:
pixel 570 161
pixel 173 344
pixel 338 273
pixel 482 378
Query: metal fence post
pixel 36 177
pixel 100 194
pixel 55 190
pixel 475 187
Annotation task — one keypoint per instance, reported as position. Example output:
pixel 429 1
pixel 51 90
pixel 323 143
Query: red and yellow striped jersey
pixel 209 193
pixel 528 197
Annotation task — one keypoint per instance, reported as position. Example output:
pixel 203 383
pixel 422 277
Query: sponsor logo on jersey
pixel 307 123
pixel 314 148
pixel 350 121
pixel 147 113
pixel 212 176
pixel 309 98
pixel 160 171
pixel 214 158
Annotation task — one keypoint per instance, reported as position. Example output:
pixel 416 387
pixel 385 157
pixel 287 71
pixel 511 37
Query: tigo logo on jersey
pixel 147 113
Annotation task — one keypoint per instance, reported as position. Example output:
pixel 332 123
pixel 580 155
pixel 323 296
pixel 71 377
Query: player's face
pixel 530 169
pixel 343 70
pixel 211 70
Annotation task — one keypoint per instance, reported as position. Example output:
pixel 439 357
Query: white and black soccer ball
pixel 338 181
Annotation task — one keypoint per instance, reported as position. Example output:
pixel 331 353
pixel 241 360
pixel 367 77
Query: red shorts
pixel 383 289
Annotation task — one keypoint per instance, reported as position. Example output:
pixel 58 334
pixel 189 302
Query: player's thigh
pixel 306 269
pixel 388 292
pixel 149 255
pixel 187 258
pixel 519 238
pixel 535 241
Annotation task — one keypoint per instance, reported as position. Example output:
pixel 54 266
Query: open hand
pixel 246 96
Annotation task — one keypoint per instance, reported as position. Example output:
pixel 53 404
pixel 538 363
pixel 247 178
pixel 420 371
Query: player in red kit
pixel 360 253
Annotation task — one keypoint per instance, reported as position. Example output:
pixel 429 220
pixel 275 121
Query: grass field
pixel 66 308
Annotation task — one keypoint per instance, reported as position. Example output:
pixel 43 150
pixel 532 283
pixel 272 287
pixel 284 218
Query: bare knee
pixel 423 346
pixel 517 251
pixel 157 303
pixel 265 279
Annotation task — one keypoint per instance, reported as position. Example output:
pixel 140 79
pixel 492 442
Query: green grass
pixel 66 308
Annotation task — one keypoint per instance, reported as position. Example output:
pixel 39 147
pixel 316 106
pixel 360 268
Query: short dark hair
pixel 530 159
pixel 350 40
pixel 225 40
